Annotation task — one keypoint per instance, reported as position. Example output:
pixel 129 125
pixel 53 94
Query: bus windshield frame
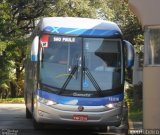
pixel 80 64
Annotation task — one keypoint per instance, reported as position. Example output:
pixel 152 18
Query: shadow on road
pixel 50 132
pixel 55 131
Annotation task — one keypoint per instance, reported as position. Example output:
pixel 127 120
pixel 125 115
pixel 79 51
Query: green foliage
pixel 140 54
pixel 72 8
pixel 2 47
pixel 18 18
pixel 127 21
pixel 12 100
pixel 79 8
pixel 134 100
pixel 12 65
pixel 6 74
pixel 136 115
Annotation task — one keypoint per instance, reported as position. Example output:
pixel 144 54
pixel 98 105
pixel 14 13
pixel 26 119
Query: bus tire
pixel 36 125
pixel 28 114
pixel 103 129
pixel 125 122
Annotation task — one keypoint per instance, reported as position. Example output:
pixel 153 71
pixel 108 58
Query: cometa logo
pixel 81 94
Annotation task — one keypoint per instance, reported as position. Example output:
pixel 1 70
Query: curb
pixel 131 124
pixel 135 125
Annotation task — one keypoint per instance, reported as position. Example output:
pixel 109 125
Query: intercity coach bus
pixel 75 73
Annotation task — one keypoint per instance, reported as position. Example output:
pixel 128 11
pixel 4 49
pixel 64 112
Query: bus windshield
pixel 80 64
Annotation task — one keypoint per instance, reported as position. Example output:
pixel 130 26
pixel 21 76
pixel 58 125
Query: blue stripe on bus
pixel 83 101
pixel 77 31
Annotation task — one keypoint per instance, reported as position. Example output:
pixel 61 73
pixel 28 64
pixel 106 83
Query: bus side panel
pixel 30 83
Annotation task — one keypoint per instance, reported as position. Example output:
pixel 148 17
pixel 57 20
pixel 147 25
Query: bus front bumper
pixel 50 115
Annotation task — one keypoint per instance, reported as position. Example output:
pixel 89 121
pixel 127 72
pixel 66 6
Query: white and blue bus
pixel 75 73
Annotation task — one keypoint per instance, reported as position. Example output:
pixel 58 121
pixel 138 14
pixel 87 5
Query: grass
pixel 136 116
pixel 134 99
pixel 135 110
pixel 12 100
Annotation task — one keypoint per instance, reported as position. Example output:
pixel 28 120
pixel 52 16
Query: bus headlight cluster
pixel 46 101
pixel 114 105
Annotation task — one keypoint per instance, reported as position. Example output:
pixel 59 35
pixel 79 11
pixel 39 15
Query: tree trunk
pixel 13 89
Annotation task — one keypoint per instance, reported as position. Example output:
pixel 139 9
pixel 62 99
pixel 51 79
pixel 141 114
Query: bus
pixel 75 73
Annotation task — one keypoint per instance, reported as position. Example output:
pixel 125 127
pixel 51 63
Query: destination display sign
pixel 64 39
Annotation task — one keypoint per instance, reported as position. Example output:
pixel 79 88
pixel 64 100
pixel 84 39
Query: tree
pixel 126 20
pixel 78 8
pixel 17 20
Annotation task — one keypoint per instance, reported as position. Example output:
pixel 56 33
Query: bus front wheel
pixel 124 123
pixel 103 129
pixel 28 114
pixel 36 125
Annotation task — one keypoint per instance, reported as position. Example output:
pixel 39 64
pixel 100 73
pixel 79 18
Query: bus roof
pixel 79 27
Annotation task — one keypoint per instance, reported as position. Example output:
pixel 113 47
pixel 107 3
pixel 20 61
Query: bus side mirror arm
pixel 129 54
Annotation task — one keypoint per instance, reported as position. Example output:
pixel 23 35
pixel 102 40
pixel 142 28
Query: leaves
pixel 126 20
pixel 18 18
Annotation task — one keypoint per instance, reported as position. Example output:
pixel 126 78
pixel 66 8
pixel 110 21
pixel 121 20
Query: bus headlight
pixel 114 105
pixel 46 101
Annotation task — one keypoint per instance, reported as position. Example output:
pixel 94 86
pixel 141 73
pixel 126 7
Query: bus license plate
pixel 80 117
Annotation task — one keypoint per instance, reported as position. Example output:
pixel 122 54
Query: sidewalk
pixel 135 125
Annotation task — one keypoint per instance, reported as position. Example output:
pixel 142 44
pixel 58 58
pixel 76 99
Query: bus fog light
pixel 46 101
pixel 49 102
pixel 114 105
pixel 110 106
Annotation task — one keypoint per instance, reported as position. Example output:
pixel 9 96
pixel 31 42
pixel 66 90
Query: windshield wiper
pixel 89 75
pixel 94 82
pixel 75 68
pixel 91 78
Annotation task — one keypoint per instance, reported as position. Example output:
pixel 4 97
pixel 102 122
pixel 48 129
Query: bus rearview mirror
pixel 34 49
pixel 129 54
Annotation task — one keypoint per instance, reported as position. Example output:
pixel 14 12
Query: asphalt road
pixel 13 122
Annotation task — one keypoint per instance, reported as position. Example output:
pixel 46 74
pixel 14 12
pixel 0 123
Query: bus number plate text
pixel 80 117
